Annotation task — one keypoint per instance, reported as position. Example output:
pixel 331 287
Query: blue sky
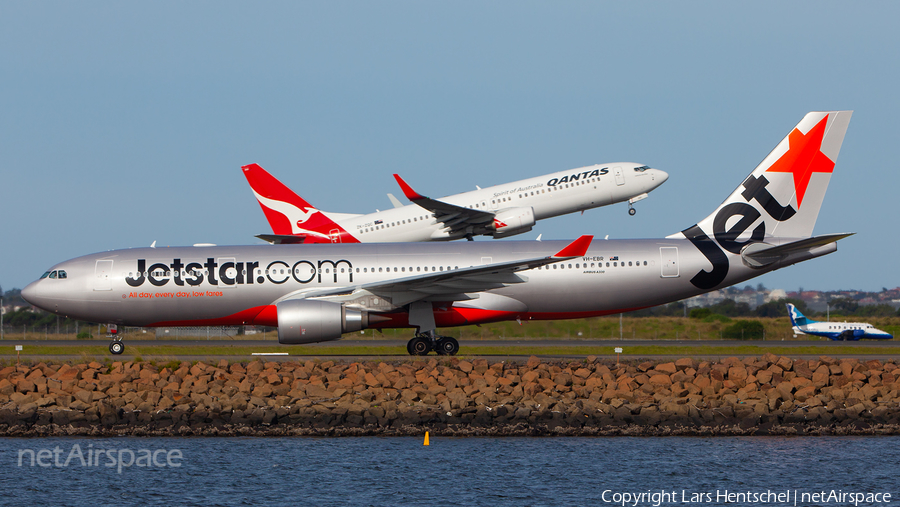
pixel 127 123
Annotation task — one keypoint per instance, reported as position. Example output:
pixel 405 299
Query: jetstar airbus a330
pixel 316 293
pixel 500 211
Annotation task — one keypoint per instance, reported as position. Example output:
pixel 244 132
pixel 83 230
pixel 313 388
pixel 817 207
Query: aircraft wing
pixel 448 285
pixel 457 218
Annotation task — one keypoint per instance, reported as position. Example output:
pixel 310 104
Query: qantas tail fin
pixel 797 318
pixel 782 196
pixel 289 214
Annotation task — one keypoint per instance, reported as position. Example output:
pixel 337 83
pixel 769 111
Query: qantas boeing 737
pixel 500 211
pixel 314 293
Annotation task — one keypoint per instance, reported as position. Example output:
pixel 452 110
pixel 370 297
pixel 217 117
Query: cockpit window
pixel 45 275
pixel 62 274
pixel 641 168
pixel 53 274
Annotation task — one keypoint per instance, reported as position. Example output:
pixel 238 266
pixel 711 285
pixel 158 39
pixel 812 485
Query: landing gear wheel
pixel 447 346
pixel 419 346
pixel 116 347
pixel 632 211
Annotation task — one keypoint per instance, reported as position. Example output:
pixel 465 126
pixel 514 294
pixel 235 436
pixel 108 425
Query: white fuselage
pixel 548 196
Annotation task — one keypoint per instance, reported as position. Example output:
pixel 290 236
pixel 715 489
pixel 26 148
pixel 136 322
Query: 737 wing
pixel 449 285
pixel 458 218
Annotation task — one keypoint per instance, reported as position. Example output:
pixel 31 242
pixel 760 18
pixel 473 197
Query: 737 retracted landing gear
pixel 423 343
pixel 116 347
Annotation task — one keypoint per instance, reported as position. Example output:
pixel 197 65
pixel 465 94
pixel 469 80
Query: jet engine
pixel 513 221
pixel 310 321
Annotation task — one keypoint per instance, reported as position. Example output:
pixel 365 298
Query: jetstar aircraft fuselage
pixel 237 285
pixel 499 211
pixel 317 292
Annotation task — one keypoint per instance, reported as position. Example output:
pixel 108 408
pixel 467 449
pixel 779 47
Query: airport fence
pixel 99 332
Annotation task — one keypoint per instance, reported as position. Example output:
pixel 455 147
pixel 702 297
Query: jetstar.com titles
pixel 227 271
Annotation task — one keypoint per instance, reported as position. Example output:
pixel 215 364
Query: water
pixel 449 472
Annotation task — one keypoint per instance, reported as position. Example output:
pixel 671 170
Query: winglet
pixel 576 248
pixel 410 194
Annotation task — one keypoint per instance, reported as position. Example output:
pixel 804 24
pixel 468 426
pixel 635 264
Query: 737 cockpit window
pixel 641 168
pixel 54 274
pixel 45 275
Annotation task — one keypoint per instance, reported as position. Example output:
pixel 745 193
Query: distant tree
pixel 760 287
pixel 699 313
pixel 845 306
pixel 778 308
pixel 730 308
pixel 675 309
pixel 744 330
pixel 875 311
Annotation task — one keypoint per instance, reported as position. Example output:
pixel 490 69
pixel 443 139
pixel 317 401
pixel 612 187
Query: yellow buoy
pixel 426 439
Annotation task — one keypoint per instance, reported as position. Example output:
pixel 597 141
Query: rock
pixel 785 363
pixel 667 368
pixel 533 362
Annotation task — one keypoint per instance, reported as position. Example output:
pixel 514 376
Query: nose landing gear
pixel 116 347
pixel 631 210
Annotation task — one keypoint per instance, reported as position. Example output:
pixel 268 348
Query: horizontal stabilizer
pixel 762 254
pixel 282 239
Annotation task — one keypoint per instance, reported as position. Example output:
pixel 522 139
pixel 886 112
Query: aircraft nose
pixel 659 177
pixel 30 293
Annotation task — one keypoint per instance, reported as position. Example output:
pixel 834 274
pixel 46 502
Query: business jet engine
pixel 513 221
pixel 310 321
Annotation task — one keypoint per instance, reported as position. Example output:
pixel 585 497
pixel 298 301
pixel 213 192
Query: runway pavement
pixel 396 349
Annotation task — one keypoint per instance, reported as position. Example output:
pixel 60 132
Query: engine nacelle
pixel 513 221
pixel 310 321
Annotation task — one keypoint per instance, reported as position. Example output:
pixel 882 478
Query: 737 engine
pixel 513 221
pixel 310 321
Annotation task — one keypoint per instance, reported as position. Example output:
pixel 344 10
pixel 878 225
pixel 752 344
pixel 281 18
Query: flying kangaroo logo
pixel 296 215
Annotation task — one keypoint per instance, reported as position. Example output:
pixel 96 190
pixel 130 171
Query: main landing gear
pixel 116 347
pixel 631 210
pixel 423 343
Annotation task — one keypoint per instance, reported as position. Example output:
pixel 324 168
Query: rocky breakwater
pixel 754 395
